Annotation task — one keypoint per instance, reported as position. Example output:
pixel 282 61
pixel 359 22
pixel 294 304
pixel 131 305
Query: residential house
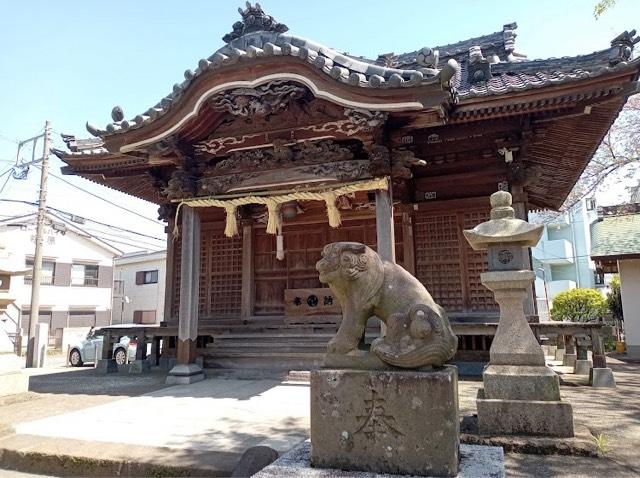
pixel 77 276
pixel 138 287
pixel 616 248
pixel 561 259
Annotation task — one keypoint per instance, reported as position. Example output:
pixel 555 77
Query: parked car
pixel 85 350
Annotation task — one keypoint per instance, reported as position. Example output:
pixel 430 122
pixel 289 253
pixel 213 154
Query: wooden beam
pixel 248 285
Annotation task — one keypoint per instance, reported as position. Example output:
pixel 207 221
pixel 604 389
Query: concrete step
pixel 269 337
pixel 271 354
pixel 263 361
pixel 277 345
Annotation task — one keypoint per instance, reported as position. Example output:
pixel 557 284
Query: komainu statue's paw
pixel 421 338
pixel 337 345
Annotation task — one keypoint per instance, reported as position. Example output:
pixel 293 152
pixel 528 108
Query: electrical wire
pixel 10 140
pixel 30 203
pixel 106 239
pixel 5 182
pixel 99 233
pixel 98 197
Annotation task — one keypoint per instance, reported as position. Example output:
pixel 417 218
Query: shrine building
pixel 275 145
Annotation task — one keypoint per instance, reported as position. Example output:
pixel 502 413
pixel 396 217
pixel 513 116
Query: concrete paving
pixel 229 415
pixel 126 420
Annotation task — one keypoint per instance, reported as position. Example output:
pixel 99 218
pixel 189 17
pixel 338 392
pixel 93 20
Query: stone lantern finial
pixel 501 205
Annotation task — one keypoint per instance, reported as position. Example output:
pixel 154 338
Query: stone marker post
pixel 521 394
pixel 41 342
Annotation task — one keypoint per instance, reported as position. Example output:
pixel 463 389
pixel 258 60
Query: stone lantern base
pixel 522 400
pixel 386 421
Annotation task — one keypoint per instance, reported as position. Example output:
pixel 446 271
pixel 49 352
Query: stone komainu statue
pixel 418 331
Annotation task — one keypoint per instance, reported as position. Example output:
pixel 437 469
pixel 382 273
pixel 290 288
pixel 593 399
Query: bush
pixel 578 305
pixel 614 298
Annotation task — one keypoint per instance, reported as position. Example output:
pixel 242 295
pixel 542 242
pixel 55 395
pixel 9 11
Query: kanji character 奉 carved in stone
pixel 418 331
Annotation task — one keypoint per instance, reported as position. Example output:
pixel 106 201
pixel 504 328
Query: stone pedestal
pixel 601 378
pixel 476 461
pixel 524 417
pixel 185 374
pixel 139 366
pixel 569 360
pixel 582 367
pixel 402 422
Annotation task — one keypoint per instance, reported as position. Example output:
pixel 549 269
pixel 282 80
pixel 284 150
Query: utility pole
pixel 37 257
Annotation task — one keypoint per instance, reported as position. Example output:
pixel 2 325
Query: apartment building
pixel 138 288
pixel 77 276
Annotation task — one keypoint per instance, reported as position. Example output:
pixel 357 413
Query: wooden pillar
pixel 521 207
pixel 385 236
pixel 169 272
pixel 384 225
pixel 107 348
pixel 407 243
pixel 246 305
pixel 186 370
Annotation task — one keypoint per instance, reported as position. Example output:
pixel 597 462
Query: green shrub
pixel 578 305
pixel 614 298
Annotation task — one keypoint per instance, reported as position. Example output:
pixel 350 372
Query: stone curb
pixel 70 465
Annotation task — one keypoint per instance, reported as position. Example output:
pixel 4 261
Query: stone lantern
pixel 521 395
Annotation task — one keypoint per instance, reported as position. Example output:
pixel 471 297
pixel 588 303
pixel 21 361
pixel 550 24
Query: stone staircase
pixel 273 347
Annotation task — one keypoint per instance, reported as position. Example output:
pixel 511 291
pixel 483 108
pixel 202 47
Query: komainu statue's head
pixel 346 261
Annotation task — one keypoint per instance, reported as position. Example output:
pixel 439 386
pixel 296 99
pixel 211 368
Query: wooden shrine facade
pixel 247 158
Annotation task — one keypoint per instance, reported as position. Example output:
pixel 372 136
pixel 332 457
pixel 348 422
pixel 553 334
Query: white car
pixel 85 350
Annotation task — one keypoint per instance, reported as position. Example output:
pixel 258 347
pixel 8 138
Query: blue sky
pixel 72 61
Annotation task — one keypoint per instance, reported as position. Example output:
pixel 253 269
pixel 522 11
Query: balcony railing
pixel 86 281
pixel 44 280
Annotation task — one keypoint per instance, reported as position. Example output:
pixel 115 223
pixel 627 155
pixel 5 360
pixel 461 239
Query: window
pixel 47 272
pixel 598 278
pixel 118 288
pixel 147 277
pixel 84 274
pixel 144 316
pixel 591 204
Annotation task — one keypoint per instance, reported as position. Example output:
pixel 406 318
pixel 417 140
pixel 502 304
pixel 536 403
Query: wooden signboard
pixel 304 302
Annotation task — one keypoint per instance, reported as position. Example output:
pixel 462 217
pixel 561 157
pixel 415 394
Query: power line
pixel 99 233
pixel 5 184
pixel 110 225
pixel 11 140
pixel 30 203
pixel 106 239
pixel 99 197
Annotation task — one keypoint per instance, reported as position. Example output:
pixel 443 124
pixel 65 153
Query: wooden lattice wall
pixel 220 273
pixel 446 264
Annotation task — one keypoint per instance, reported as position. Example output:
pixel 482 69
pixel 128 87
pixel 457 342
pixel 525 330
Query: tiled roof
pixel 616 236
pixel 481 66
